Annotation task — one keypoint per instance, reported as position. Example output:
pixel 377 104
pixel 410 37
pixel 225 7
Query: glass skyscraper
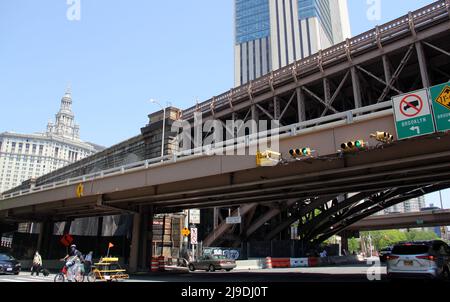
pixel 270 34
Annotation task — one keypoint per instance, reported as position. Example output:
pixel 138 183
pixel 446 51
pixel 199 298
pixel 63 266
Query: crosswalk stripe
pixel 31 279
pixel 11 280
pixel 24 279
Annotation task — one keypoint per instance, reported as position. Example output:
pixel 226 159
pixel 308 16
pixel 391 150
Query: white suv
pixel 419 259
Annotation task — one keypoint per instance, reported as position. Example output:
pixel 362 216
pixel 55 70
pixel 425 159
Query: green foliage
pixel 354 245
pixel 421 235
pixel 382 239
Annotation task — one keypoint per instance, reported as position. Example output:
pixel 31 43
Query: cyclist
pixel 73 260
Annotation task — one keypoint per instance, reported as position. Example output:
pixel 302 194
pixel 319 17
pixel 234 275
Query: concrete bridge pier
pixel 141 250
pixel 45 235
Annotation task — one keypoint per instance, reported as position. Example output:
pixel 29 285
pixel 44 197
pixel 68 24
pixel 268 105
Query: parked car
pixel 212 263
pixel 429 259
pixel 384 253
pixel 9 265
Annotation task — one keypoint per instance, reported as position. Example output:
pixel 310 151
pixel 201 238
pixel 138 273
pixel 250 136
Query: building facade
pixel 412 205
pixel 27 156
pixel 270 34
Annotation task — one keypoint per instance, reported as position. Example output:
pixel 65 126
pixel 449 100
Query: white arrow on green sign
pixel 412 114
pixel 440 95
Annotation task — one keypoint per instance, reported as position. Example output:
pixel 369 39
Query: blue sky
pixel 119 55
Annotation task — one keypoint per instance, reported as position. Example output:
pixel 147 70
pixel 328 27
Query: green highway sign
pixel 412 114
pixel 440 96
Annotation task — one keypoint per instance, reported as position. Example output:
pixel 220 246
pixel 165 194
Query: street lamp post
pixel 163 128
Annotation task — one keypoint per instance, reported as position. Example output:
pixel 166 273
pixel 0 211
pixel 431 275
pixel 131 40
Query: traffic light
pixel 268 158
pixel 353 146
pixel 384 137
pixel 304 152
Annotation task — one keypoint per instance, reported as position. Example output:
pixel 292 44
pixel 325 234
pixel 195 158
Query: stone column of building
pixel 152 133
pixel 142 237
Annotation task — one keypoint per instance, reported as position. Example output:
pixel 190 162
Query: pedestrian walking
pixel 37 264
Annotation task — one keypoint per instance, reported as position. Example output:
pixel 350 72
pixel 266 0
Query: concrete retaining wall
pixel 261 263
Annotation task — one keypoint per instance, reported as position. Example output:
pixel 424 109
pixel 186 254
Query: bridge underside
pixel 430 218
pixel 325 194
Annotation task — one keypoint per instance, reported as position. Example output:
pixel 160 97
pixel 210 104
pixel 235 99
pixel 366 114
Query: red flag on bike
pixel 110 245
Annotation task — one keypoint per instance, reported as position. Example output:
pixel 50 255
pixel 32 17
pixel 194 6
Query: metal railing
pixel 383 34
pixel 331 121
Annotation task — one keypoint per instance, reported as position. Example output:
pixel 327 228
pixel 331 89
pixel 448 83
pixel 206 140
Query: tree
pixel 382 239
pixel 415 235
pixel 354 245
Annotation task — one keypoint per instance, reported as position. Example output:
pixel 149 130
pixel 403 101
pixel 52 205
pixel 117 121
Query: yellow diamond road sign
pixel 444 97
pixel 185 232
pixel 80 190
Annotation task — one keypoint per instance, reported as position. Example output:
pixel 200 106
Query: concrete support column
pixel 301 105
pixel 135 240
pixel 40 237
pixel 344 242
pixel 144 239
pixel 150 236
pixel 422 65
pixel 145 246
pixel 216 218
pixel 44 238
pixel 99 232
pixel 356 87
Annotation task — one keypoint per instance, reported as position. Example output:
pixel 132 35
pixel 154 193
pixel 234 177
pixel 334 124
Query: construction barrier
pixel 299 262
pixel 281 262
pixel 162 263
pixel 313 261
pixel 269 262
pixel 155 265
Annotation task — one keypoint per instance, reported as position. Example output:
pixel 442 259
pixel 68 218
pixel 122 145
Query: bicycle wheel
pixel 59 277
pixel 79 277
pixel 91 277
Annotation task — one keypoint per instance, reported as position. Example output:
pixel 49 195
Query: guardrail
pixel 385 33
pixel 349 117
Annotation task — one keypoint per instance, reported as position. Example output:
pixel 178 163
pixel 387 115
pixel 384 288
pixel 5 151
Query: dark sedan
pixel 9 265
pixel 212 263
pixel 384 253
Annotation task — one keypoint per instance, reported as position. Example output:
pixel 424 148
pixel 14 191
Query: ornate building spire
pixel 65 119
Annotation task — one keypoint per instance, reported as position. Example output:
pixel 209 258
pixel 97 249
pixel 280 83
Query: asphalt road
pixel 322 274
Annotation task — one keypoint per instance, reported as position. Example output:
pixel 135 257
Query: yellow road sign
pixel 185 232
pixel 80 190
pixel 444 97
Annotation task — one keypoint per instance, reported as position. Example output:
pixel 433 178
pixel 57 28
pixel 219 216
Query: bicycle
pixel 63 274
